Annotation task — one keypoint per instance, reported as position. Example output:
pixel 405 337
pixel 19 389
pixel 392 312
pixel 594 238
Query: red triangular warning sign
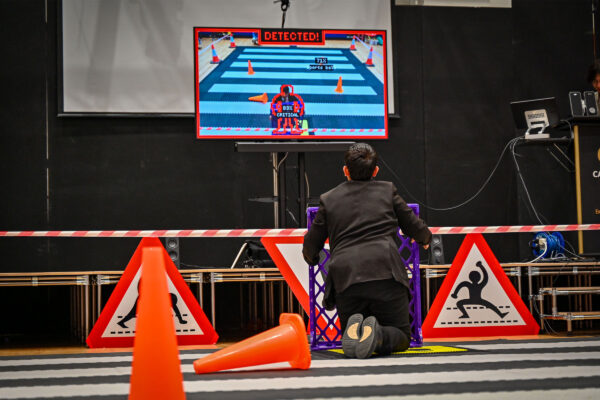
pixel 116 325
pixel 477 298
pixel 286 253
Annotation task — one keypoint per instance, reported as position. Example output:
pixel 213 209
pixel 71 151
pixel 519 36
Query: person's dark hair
pixel 593 70
pixel 361 160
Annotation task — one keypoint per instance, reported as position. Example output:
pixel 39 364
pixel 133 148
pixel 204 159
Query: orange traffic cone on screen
pixel 353 44
pixel 250 69
pixel 286 342
pixel 261 97
pixel 339 89
pixel 155 370
pixel 369 62
pixel 215 57
pixel 231 42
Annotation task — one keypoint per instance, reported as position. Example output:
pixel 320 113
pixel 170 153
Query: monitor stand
pixel 278 157
pixel 533 133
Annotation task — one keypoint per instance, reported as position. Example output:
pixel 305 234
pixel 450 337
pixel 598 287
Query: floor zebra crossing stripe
pixel 287 57
pixel 286 75
pixel 288 65
pixel 290 51
pixel 93 370
pixel 312 382
pixel 534 345
pixel 544 369
pixel 191 355
pixel 558 394
pixel 271 89
pixel 235 108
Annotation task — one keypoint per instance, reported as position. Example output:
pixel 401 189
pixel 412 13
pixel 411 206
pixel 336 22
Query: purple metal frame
pixel 329 336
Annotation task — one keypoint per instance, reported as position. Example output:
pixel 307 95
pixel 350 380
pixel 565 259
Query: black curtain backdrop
pixel 457 70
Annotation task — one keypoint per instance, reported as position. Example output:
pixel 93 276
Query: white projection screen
pixel 136 56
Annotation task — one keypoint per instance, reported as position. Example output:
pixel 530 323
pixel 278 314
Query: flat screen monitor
pixel 535 114
pixel 260 83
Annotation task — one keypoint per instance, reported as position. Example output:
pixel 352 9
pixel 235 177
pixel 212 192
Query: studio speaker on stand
pixel 437 250
pixel 172 246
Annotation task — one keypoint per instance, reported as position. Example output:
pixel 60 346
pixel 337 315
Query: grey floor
pixel 540 369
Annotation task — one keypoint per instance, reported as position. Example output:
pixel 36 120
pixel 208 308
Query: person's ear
pixel 375 171
pixel 346 172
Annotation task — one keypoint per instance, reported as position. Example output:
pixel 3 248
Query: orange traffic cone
pixel 339 89
pixel 263 98
pixel 215 57
pixel 155 370
pixel 250 69
pixel 286 342
pixel 353 44
pixel 369 62
pixel 231 42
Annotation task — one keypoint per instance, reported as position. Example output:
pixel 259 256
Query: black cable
pixel 293 218
pixel 399 181
pixel 522 180
pixel 285 4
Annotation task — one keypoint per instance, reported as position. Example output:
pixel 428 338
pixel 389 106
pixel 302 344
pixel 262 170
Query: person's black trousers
pixel 386 300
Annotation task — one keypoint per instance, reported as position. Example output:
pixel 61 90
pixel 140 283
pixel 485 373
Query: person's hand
pixel 425 246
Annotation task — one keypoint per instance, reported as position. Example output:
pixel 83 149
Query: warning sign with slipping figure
pixel 477 298
pixel 116 324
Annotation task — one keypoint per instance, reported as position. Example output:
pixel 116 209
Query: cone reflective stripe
pixel 353 45
pixel 286 342
pixel 339 89
pixel 231 41
pixel 215 57
pixel 250 69
pixel 369 62
pixel 263 98
pixel 156 369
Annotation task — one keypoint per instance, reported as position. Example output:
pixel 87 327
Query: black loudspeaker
pixel 576 105
pixel 257 256
pixel 437 250
pixel 172 246
pixel 590 103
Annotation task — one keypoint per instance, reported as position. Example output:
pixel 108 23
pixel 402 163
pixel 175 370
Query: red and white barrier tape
pixel 162 233
pixel 219 233
pixel 446 230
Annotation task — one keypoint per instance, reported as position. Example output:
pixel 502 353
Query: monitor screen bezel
pixel 197 114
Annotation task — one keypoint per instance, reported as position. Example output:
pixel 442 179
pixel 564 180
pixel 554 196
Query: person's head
pixel 593 75
pixel 360 162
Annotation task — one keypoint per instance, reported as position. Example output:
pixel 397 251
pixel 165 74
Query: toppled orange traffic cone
pixel 286 342
pixel 250 69
pixel 263 98
pixel 339 89
pixel 155 370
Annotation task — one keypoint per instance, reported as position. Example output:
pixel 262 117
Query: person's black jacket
pixel 361 219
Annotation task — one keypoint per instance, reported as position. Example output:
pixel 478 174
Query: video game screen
pixel 259 83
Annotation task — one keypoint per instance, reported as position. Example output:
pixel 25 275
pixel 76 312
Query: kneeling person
pixel 367 279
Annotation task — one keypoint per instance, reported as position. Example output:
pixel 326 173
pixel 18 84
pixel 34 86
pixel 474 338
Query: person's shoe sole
pixel 368 340
pixel 351 335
